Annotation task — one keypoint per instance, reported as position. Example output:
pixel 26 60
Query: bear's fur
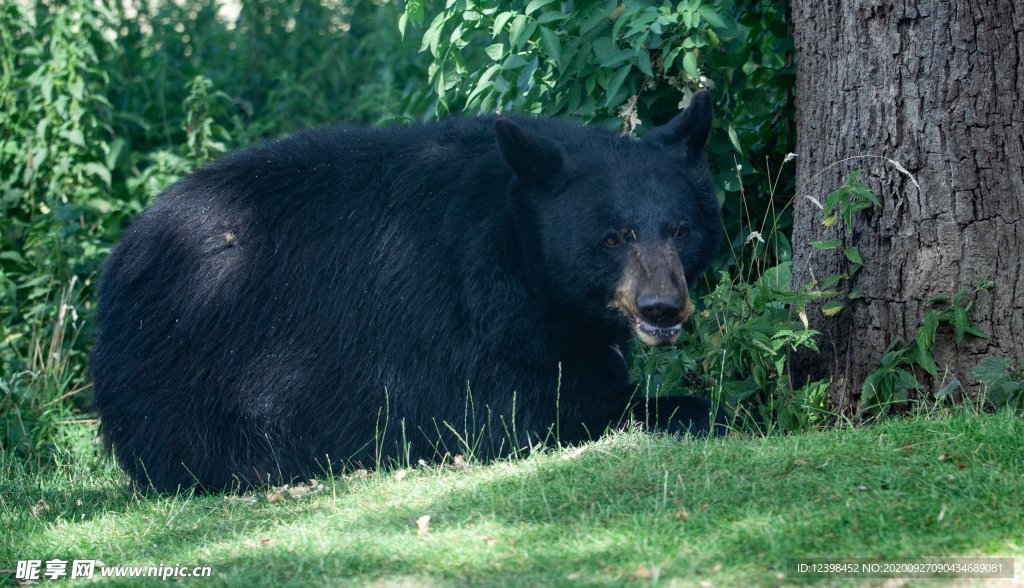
pixel 353 295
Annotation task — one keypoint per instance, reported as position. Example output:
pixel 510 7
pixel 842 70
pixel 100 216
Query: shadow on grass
pixel 625 509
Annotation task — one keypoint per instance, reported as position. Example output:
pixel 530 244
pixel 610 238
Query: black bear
pixel 357 295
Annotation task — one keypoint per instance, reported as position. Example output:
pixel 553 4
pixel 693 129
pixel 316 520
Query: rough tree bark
pixel 936 86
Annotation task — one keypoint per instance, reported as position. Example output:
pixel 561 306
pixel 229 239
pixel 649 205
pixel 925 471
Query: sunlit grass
pixel 631 508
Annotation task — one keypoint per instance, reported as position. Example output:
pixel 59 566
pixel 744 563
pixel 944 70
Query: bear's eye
pixel 681 232
pixel 612 239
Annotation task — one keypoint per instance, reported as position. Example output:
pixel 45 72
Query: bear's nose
pixel 660 310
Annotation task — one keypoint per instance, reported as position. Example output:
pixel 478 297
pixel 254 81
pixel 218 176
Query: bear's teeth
pixel 660 332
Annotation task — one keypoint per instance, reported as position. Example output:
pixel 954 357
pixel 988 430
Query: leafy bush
pixel 103 105
pixel 637 63
pixel 1002 384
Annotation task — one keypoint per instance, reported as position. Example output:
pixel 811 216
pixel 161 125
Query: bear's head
pixel 624 225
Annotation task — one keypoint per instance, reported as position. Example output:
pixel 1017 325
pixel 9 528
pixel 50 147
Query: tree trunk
pixel 936 86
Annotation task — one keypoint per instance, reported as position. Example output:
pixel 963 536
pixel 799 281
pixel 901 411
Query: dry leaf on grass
pixel 279 493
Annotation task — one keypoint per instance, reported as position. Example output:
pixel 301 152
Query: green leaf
pixel 95 169
pixel 778 277
pixel 414 10
pixel 552 16
pixel 432 36
pixel 403 22
pixel 710 16
pixel 863 191
pixel 114 152
pixel 853 254
pixel 499 23
pixel 831 308
pixel 598 12
pixel 869 391
pixel 690 65
pixel 617 58
pixel 513 62
pixel 671 57
pixel 999 384
pixel 495 51
pixel 643 63
pixel 733 138
pixel 993 370
pixel 551 43
pixel 100 205
pixel 515 33
pixel 826 245
pixel 924 358
pixel 963 326
pixel 47 90
pixel 948 389
pixel 833 199
pixel 907 381
pixel 439 86
pixel 413 15
pixel 74 137
pixel 737 391
pixel 535 5
pixel 615 84
pixel 833 280
pixel 929 325
pixel 12 256
pixel 484 82
pixel 762 342
pixel 973 330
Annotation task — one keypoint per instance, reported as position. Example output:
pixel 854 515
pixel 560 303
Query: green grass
pixel 631 509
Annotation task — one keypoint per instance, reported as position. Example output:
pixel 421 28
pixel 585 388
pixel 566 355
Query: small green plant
pixel 739 343
pixel 204 137
pixel 853 196
pixel 954 311
pixel 896 379
pixel 34 403
pixel 1001 383
pixel 893 382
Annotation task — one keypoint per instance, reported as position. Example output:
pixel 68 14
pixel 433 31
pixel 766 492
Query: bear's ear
pixel 689 129
pixel 534 158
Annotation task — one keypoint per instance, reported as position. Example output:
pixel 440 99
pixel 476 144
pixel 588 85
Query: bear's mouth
pixel 654 335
